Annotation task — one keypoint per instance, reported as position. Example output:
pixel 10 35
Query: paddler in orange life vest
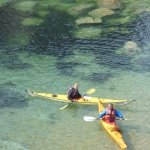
pixel 73 93
pixel 109 114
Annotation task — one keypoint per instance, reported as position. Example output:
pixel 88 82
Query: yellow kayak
pixel 84 100
pixel 112 129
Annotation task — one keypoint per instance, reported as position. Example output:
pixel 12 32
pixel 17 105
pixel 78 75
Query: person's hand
pixel 121 118
pixel 100 118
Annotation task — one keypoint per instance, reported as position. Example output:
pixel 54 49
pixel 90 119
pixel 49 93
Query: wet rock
pixel 101 12
pixel 131 46
pixel 88 20
pixel 111 4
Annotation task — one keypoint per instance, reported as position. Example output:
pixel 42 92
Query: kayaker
pixel 73 93
pixel 109 114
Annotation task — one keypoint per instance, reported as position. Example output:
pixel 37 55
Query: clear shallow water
pixel 38 123
pixel 53 65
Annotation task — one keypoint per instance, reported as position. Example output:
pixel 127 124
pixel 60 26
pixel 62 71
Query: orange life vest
pixel 110 116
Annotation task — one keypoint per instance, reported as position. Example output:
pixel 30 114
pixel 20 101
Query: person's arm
pixel 102 114
pixel 70 95
pixel 78 94
pixel 119 114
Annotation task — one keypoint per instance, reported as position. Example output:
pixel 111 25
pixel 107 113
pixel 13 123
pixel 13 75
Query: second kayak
pixel 112 129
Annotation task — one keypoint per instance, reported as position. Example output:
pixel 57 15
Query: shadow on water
pixel 11 60
pixel 127 137
pixel 10 25
pixel 11 99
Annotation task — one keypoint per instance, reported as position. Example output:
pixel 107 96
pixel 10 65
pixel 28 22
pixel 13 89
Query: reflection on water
pixel 42 49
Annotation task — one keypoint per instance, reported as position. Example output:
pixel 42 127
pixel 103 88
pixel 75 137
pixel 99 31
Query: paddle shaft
pixel 88 118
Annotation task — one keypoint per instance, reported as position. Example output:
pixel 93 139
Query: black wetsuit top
pixel 73 94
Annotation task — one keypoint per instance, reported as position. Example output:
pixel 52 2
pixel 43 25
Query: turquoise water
pixel 45 56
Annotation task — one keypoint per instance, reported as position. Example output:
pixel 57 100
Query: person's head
pixel 110 106
pixel 75 86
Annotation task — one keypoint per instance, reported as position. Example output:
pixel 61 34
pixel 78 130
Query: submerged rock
pixel 101 12
pixel 79 9
pixel 131 46
pixel 88 20
pixel 141 10
pixel 111 4
pixel 83 1
pixel 43 13
pixel 25 6
pixel 32 22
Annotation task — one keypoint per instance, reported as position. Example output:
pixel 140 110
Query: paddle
pixel 88 92
pixel 88 118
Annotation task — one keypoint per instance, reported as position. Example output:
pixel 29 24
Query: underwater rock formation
pixel 101 12
pixel 110 4
pixel 79 9
pixel 88 20
pixel 131 46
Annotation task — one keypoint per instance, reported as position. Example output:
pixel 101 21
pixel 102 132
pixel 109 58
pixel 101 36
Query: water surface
pixel 48 57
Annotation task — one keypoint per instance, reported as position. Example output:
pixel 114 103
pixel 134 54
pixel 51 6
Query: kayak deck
pixel 112 129
pixel 84 100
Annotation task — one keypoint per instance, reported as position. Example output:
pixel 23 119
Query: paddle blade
pixel 90 91
pixel 88 118
pixel 63 107
pixel 129 119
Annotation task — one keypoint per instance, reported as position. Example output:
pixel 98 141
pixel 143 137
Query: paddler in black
pixel 73 93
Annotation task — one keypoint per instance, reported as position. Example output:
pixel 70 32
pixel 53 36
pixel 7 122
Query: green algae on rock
pixel 20 39
pixel 88 33
pixel 88 20
pixel 3 2
pixel 32 22
pixel 110 4
pixel 101 12
pixel 119 21
pixel 57 4
pixel 80 9
pixel 25 6
pixel 43 13
pixel 84 1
